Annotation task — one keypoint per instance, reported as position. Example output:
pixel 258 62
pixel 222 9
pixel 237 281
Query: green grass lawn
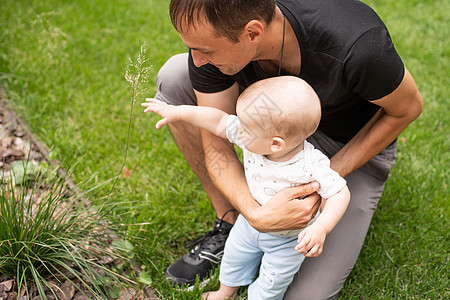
pixel 62 64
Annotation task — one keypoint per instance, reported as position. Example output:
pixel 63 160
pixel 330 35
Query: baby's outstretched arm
pixel 208 118
pixel 311 240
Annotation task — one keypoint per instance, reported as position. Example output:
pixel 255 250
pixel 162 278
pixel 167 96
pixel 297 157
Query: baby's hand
pixel 310 240
pixel 167 112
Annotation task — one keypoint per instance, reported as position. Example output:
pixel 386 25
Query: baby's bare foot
pixel 208 296
pixel 216 295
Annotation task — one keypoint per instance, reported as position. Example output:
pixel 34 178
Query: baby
pixel 274 118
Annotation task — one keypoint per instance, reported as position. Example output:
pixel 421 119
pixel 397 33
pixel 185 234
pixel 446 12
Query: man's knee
pixel 173 84
pixel 313 294
pixel 174 71
pixel 313 289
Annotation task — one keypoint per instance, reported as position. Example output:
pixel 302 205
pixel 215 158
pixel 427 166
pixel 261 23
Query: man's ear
pixel 254 30
pixel 278 144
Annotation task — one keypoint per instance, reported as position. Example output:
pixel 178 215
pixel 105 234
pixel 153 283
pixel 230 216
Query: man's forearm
pixel 223 166
pixel 370 141
pixel 397 111
pixel 227 173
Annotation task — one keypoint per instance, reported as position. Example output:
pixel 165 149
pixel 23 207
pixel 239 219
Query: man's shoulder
pixel 354 11
pixel 330 26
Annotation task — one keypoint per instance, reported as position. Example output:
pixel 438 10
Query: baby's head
pixel 282 110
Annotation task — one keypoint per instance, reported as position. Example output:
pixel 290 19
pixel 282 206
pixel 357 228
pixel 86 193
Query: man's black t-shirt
pixel 347 56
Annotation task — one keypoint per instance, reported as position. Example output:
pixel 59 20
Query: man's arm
pixel 397 111
pixel 283 211
pixel 208 118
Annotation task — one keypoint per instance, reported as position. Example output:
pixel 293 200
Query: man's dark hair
pixel 228 17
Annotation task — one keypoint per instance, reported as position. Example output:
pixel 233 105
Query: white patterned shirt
pixel 266 178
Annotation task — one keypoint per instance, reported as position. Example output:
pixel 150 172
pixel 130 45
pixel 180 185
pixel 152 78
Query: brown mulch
pixel 18 144
pixel 15 141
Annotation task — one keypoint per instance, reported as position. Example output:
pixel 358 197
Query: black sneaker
pixel 199 262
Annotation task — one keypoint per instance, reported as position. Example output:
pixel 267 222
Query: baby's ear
pixel 277 145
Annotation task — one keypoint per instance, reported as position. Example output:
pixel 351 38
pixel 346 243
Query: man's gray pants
pixel 321 277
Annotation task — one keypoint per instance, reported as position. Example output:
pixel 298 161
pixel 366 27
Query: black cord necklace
pixel 282 45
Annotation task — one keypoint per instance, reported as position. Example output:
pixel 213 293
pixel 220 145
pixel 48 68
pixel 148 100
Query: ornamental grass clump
pixel 48 235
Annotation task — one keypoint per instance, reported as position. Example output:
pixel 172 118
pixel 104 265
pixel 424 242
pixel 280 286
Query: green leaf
pixel 23 170
pixel 113 292
pixel 124 246
pixel 145 278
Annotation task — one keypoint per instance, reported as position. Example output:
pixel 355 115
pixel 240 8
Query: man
pixel 344 51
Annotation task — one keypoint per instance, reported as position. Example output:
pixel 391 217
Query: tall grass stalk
pixel 47 235
pixel 136 73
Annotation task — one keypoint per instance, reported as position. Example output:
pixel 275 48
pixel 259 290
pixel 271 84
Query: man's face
pixel 221 52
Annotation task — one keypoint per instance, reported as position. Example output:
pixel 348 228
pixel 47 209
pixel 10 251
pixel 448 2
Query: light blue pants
pixel 246 248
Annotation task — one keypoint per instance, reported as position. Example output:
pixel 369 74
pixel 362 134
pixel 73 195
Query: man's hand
pixel 169 113
pixel 311 240
pixel 285 210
